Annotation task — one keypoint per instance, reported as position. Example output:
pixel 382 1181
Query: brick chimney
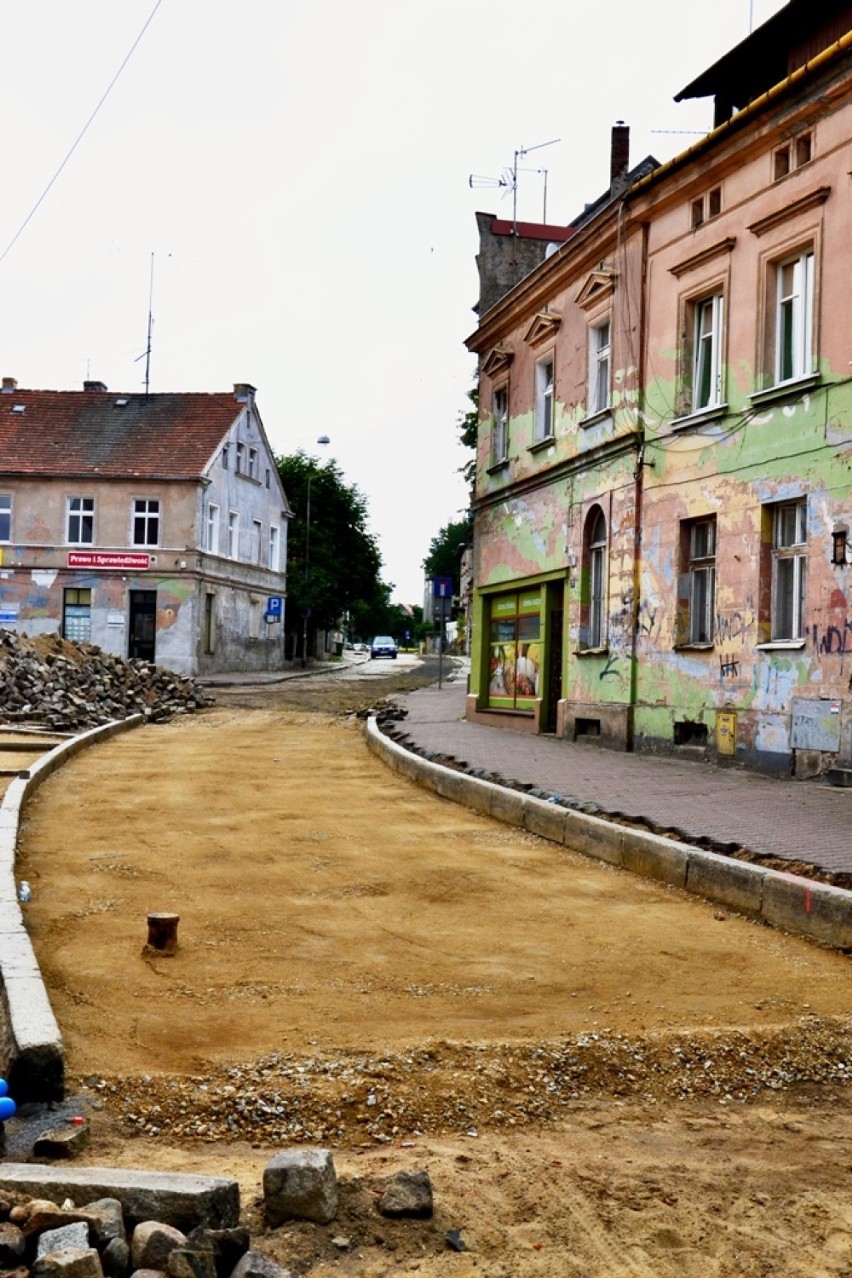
pixel 10 384
pixel 95 386
pixel 619 158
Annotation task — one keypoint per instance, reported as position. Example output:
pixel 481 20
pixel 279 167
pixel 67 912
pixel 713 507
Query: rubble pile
pixel 68 687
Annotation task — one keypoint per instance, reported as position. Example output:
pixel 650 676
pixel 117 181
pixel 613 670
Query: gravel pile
pixel 68 687
pixel 347 1099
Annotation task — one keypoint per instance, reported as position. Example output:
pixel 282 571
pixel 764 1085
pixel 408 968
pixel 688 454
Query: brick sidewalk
pixel 796 821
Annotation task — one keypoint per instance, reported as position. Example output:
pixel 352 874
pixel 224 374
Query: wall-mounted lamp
pixel 839 537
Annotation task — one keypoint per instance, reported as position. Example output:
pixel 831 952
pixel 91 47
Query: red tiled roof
pixel 532 230
pixel 112 435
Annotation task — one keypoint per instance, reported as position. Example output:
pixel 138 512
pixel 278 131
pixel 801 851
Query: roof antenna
pixel 147 352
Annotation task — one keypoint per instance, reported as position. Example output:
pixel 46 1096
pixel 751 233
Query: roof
pixel 106 435
pixel 530 230
pixel 788 40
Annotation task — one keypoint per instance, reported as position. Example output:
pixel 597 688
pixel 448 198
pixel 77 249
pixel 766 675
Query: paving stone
pixel 300 1184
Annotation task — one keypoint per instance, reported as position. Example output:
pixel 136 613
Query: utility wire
pixel 79 137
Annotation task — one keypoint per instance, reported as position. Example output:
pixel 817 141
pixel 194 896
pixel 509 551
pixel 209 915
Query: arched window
pixel 596 569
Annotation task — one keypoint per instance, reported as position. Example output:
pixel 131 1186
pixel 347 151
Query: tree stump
pixel 162 934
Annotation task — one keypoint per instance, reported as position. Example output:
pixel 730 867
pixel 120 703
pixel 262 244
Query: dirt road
pixel 603 1077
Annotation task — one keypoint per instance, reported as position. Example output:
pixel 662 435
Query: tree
pixel 468 425
pixel 333 561
pixel 444 557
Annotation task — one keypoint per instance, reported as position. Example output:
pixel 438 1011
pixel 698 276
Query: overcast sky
pixel 300 171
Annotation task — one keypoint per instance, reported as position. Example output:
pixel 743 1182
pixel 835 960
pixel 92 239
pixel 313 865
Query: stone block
pixel 253 1265
pixel 812 909
pixel 508 805
pixel 725 880
pixel 62 1142
pixel 300 1184
pixel 106 1219
pixel 655 857
pixel 171 1197
pixel 152 1244
pixel 594 837
pixel 545 819
pixel 73 1262
pixel 408 1194
pixel 74 1235
pixel 12 1246
pixel 228 1245
pixel 115 1258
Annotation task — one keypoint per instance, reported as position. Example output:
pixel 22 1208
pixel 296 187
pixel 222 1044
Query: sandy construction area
pixel 602 1076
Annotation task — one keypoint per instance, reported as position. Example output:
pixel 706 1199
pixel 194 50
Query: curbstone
pixel 173 1198
pixel 548 820
pixel 737 884
pixel 655 857
pixel 811 909
pixel 593 837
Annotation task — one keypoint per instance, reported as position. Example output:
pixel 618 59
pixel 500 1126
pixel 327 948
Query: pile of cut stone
pixel 68 687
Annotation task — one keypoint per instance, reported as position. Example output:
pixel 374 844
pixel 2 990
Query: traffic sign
pixel 275 606
pixel 442 587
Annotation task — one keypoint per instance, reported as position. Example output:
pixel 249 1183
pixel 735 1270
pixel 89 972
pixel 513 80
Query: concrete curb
pixel 31 1045
pixel 816 910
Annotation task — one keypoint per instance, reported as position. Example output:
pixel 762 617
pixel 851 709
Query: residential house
pixel 152 525
pixel 663 499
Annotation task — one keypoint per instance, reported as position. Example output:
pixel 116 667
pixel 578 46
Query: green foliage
pixel 333 561
pixel 444 557
pixel 468 425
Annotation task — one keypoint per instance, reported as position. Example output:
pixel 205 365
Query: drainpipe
pixel 639 479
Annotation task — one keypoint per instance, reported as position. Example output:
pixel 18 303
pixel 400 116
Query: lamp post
pixel 323 439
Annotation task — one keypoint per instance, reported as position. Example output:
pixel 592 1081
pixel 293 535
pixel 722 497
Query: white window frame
pixel 5 518
pixel 794 317
pixel 79 511
pixel 212 539
pixel 500 431
pixel 252 463
pixel 240 457
pixel 789 570
pixel 256 540
pixel 702 581
pixel 147 511
pixel 707 339
pixel 598 540
pixel 600 367
pixel 233 534
pixel 545 379
pixel 274 548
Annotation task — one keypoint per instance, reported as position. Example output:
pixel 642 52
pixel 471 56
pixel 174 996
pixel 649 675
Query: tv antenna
pixel 509 180
pixel 146 354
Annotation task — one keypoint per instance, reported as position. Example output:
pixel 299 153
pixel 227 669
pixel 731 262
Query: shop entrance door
pixel 554 668
pixel 143 624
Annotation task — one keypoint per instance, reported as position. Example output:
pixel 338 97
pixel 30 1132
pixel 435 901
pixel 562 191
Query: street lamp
pixel 323 439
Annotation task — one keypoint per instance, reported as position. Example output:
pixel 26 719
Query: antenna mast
pixel 150 326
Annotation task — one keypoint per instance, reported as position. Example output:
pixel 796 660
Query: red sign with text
pixel 103 559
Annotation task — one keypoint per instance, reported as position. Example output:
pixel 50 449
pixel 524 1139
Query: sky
pixel 298 173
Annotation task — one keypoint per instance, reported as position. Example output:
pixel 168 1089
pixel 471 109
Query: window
pixel 514 651
pixel 789 570
pixel 274 548
pixel 252 463
pixel 225 457
pixel 268 476
pixel 81 521
pixel 233 534
pixel 544 399
pixel 209 623
pixel 5 516
pixel 256 540
pixel 212 542
pixel 77 615
pixel 240 458
pixel 791 156
pixel 794 308
pixel 593 607
pixel 599 365
pixel 707 352
pixel 702 580
pixel 500 433
pixel 705 207
pixel 146 522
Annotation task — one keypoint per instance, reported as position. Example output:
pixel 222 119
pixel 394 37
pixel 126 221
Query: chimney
pixel 9 385
pixel 94 386
pixel 244 392
pixel 619 159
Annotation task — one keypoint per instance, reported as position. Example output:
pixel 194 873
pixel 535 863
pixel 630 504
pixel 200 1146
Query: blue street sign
pixel 275 606
pixel 442 587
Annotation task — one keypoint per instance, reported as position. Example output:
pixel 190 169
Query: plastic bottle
pixel 24 891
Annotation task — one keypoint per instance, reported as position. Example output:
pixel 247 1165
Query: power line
pixel 79 137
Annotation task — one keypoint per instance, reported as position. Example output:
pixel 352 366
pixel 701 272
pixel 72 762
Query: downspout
pixel 639 483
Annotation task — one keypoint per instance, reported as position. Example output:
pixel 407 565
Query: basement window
pixel 586 728
pixel 690 734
